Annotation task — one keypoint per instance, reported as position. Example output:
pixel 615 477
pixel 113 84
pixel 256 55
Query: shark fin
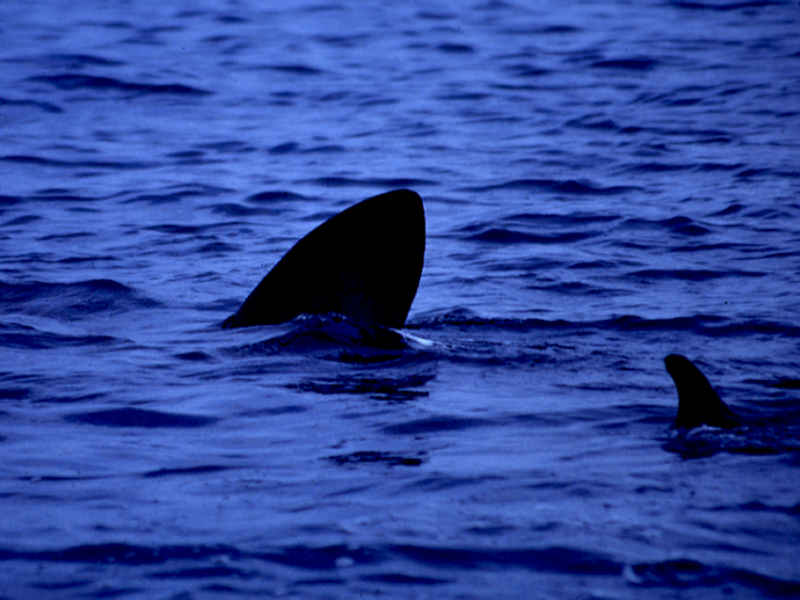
pixel 364 262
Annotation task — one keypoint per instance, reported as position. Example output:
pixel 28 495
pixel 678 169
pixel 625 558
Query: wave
pixel 540 29
pixel 568 186
pixel 233 209
pixel 526 70
pixel 549 559
pixel 376 182
pixel 139 417
pixel 436 425
pixel 71 301
pixel 295 148
pixel 501 235
pixel 711 325
pixel 571 219
pixel 639 63
pixel 335 337
pixel 680 225
pixel 227 147
pixel 295 69
pixel 600 121
pixel 45 106
pixel 275 196
pixel 726 6
pixel 23 337
pixel 750 441
pixel 573 228
pixel 82 60
pixel 400 387
pixel 198 470
pixel 658 167
pixel 67 60
pixel 188 230
pixel 94 164
pixel 24 220
pixel 227 566
pixel 690 274
pixel 9 200
pixel 381 457
pixel 686 573
pixel 174 193
pixel 79 81
pixel 553 559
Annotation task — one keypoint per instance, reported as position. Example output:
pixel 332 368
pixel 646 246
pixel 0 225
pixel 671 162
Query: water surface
pixel 604 182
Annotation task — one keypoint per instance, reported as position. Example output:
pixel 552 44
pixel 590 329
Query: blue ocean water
pixel 604 183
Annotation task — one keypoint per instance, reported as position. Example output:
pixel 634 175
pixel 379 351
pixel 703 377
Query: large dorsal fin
pixel 364 262
pixel 698 403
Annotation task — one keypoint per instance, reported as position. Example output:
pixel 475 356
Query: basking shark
pixel 364 262
pixel 698 403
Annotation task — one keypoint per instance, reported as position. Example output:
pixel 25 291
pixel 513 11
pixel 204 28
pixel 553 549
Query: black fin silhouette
pixel 364 262
pixel 698 403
